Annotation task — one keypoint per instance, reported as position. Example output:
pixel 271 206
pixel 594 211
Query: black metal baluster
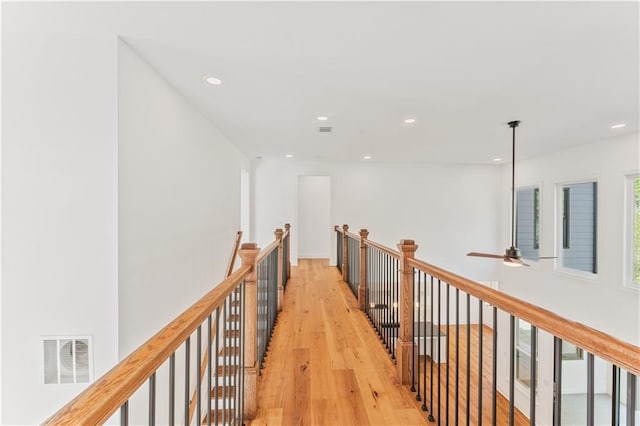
pixel 439 331
pixel 209 372
pixel 187 356
pixel 241 344
pixel 447 359
pixel 631 399
pixel 124 414
pixel 172 389
pixel 424 342
pixel 615 412
pixel 214 352
pixel 198 375
pixel 534 375
pixel 396 315
pixel 512 354
pixel 457 399
pixel 387 295
pixel 152 399
pixel 480 336
pixel 226 379
pixel 431 418
pixel 494 384
pixel 557 381
pixel 413 339
pixel 590 390
pixel 468 400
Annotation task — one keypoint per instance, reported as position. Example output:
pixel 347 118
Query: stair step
pixel 229 351
pixel 232 333
pixel 231 370
pixel 228 390
pixel 219 416
pixel 234 318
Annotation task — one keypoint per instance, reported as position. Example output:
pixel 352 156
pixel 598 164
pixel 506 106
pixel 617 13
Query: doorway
pixel 314 217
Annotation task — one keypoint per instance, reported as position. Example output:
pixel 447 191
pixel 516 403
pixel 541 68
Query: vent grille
pixel 67 360
pixel 325 129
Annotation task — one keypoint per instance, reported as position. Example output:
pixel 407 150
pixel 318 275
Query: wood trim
pixel 383 249
pixel 267 250
pixel 622 354
pixel 352 235
pixel 100 400
pixel 234 253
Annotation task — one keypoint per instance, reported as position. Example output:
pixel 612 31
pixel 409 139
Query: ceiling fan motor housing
pixel 513 253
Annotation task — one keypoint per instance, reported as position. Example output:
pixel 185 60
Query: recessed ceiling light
pixel 214 81
pixel 367 157
pixel 497 159
pixel 322 118
pixel 409 120
pixel 289 155
pixel 618 126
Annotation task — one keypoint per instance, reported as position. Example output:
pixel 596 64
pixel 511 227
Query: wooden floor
pixel 326 365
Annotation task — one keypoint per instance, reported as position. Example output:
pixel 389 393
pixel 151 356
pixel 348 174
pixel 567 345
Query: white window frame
pixel 539 188
pixel 558 230
pixel 629 231
pixel 525 351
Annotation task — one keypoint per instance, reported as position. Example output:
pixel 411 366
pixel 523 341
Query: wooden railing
pixel 410 303
pixel 228 314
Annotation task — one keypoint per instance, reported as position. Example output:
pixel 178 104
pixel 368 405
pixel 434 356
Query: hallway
pixel 325 364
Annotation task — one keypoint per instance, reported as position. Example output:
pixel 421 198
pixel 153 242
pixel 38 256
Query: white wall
pixel 448 210
pixel 59 209
pixel 179 201
pixel 602 302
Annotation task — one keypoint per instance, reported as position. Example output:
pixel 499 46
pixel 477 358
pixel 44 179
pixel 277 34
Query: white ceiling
pixel 568 70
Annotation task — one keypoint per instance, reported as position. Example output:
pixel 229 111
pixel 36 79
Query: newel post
pixel 345 258
pixel 287 228
pixel 362 289
pixel 248 253
pixel 278 233
pixel 405 344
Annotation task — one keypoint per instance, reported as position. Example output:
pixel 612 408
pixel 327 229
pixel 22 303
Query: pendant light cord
pixel 513 126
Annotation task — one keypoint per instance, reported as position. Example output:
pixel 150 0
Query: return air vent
pixel 67 360
pixel 325 129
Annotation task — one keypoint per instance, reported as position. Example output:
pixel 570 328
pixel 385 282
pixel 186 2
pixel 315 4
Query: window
pixel 633 248
pixel 579 224
pixel 523 352
pixel 528 222
pixel 571 351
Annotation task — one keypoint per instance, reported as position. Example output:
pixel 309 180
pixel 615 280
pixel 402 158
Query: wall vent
pixel 67 359
pixel 325 129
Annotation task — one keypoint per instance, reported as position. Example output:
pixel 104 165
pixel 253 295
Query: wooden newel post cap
pixel 248 253
pixel 287 226
pixel 364 234
pixel 345 227
pixel 407 246
pixel 278 233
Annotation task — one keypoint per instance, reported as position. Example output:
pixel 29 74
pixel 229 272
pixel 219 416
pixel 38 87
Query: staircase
pixel 224 392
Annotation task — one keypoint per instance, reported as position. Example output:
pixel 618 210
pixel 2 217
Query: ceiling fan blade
pixel 547 257
pixel 493 256
pixel 515 260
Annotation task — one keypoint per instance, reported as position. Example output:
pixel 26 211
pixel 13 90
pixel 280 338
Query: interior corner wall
pixel 448 210
pixel 59 209
pixel 178 197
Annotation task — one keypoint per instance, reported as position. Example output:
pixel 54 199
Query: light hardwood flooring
pixel 326 366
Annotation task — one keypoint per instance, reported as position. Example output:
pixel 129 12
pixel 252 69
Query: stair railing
pixel 152 384
pixel 416 309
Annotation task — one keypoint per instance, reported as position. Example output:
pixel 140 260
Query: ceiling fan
pixel 512 256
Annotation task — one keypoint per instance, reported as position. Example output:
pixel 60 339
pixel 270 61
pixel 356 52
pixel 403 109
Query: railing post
pixel 287 228
pixel 362 289
pixel 248 253
pixel 345 260
pixel 405 344
pixel 278 233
